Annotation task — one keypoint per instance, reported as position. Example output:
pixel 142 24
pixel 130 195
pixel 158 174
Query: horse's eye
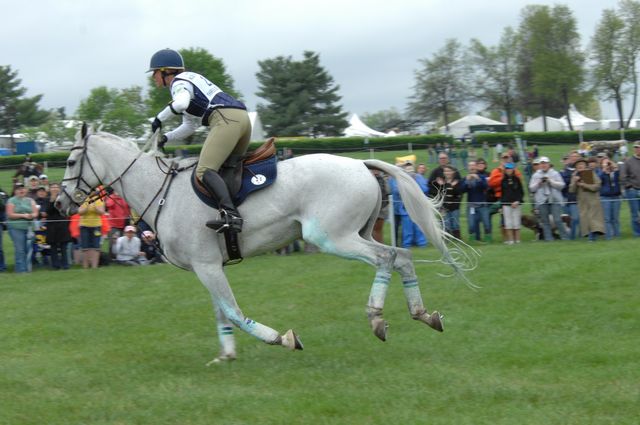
pixel 71 163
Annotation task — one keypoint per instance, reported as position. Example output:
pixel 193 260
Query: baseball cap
pixel 536 161
pixel 509 166
pixel 147 234
pixel 43 176
pixel 544 159
pixel 636 145
pixel 129 229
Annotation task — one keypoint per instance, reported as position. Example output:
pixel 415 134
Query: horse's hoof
pixel 291 341
pixel 221 359
pixel 435 321
pixel 379 327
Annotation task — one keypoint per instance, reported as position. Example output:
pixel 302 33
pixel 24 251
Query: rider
pixel 200 102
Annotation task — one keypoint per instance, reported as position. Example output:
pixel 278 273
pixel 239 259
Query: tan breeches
pixel 230 133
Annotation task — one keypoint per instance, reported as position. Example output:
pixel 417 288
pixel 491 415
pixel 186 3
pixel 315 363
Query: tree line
pixel 537 68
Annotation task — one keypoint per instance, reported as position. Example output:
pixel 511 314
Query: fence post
pixel 371 153
pixel 410 147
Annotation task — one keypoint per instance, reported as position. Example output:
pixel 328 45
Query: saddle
pixel 243 174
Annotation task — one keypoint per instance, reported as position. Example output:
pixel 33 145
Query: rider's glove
pixel 162 141
pixel 155 125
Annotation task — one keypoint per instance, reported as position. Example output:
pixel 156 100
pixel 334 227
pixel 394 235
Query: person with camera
pixel 610 192
pixel 546 184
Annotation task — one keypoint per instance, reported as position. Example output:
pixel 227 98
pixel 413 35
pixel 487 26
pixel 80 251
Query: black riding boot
pixel 229 216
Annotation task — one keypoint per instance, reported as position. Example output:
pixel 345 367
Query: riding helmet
pixel 166 59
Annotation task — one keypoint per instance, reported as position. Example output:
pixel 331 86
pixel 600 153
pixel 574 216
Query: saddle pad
pixel 255 176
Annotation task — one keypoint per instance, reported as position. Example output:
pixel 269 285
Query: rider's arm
pixel 181 93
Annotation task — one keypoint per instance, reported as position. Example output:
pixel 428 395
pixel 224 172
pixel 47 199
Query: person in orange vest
pixel 495 185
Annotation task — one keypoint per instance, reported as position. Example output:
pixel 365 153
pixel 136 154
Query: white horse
pixel 329 201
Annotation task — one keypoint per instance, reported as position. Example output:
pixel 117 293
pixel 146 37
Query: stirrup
pixel 227 221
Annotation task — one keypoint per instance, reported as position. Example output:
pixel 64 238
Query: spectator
pixel 34 185
pixel 118 213
pixel 74 231
pixel 494 192
pixel 149 247
pixel 498 149
pixel 475 185
pixel 91 232
pixel 40 245
pixel 58 235
pixel 586 184
pixel 610 197
pixel 451 189
pixel 422 169
pixel 546 185
pixel 443 160
pixel 512 195
pixel 630 180
pixel 571 203
pixel 44 181
pixel 411 233
pixel 485 149
pixel 21 211
pixel 3 217
pixel 127 248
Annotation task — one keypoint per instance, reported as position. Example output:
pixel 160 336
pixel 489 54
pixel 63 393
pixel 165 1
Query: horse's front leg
pixel 227 308
pixel 225 335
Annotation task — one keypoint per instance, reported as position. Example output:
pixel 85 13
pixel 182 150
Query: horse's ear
pixel 84 130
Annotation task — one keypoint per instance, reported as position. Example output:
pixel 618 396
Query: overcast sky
pixel 64 48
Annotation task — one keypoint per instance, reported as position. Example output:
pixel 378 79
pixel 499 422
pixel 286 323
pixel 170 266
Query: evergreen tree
pixel 302 99
pixel 16 110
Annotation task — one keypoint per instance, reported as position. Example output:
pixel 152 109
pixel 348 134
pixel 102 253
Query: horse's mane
pixel 123 141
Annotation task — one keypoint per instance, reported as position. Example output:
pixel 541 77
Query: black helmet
pixel 166 59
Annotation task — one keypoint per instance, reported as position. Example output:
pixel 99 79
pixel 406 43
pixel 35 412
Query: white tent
pixel 459 128
pixel 537 124
pixel 579 121
pixel 359 129
pixel 257 132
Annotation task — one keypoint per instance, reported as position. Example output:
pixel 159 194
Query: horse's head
pixel 81 176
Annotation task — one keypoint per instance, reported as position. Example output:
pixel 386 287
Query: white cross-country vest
pixel 206 96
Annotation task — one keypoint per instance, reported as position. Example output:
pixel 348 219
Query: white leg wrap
pixel 379 290
pixel 413 296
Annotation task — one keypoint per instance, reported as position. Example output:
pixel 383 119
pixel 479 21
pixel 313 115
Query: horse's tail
pixel 424 212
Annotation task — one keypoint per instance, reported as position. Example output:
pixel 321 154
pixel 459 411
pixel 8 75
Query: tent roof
pixel 358 128
pixel 576 117
pixel 474 120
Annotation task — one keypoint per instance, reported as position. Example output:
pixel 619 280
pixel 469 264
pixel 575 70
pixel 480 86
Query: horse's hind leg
pixel 404 265
pixel 354 247
pixel 227 308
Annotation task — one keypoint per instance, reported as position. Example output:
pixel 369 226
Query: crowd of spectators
pixel 581 199
pixel 100 232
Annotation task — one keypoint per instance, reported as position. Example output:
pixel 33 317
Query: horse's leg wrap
pixel 376 303
pixel 416 307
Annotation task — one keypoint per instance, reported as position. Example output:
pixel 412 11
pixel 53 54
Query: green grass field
pixel 550 338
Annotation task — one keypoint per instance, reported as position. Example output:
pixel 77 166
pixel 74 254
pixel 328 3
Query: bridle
pixel 102 190
pixel 83 189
